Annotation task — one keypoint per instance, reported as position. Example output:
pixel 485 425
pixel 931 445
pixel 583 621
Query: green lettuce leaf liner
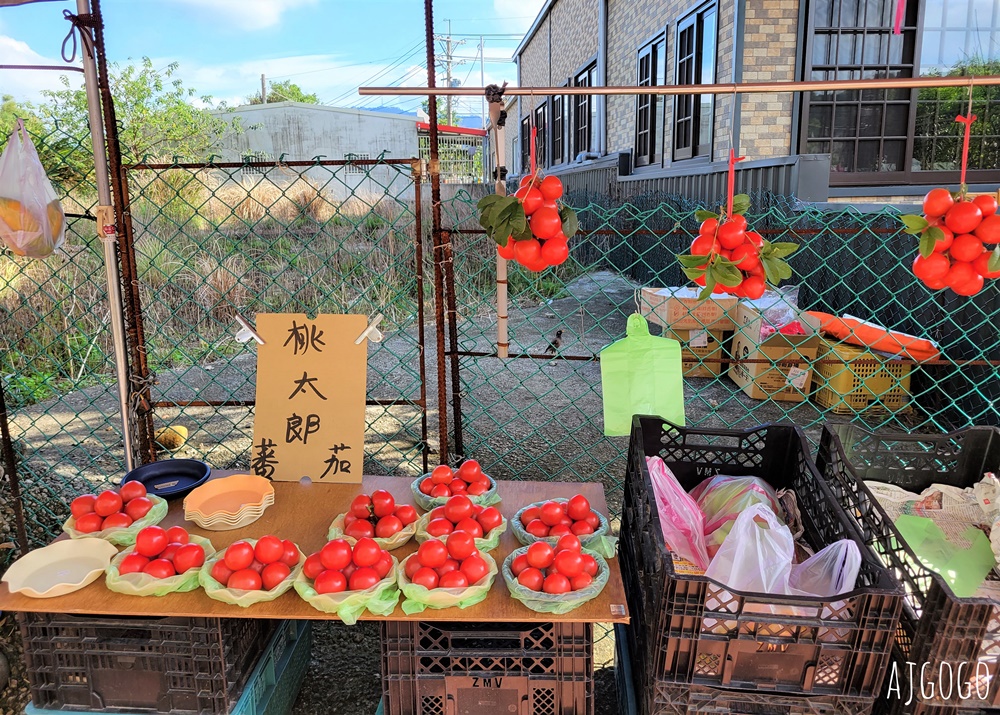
pixel 398 539
pixel 142 584
pixel 555 602
pixel 123 537
pixel 237 597
pixel 380 599
pixel 416 598
pixel 601 541
pixel 485 544
pixel 487 498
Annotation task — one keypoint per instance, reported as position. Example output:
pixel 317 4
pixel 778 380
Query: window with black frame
pixel 695 64
pixel 558 129
pixel 650 72
pixel 585 113
pixel 525 145
pixel 540 128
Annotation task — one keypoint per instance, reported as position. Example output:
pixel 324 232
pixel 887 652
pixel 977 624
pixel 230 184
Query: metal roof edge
pixel 534 26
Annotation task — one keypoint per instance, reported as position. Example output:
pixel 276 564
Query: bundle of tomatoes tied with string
pixel 727 256
pixel 956 233
pixel 532 227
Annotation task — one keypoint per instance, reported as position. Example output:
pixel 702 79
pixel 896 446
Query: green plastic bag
pixel 641 374
pixel 237 597
pixel 398 539
pixel 123 537
pixel 416 598
pixel 142 584
pixel 963 566
pixel 380 599
pixel 601 541
pixel 488 498
pixel 485 544
pixel 554 602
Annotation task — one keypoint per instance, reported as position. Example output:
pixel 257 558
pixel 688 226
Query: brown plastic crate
pixel 155 665
pixel 444 668
pixel 899 700
pixel 689 630
pixel 673 699
pixel 936 626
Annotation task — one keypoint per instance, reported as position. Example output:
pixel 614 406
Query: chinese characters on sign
pixel 311 383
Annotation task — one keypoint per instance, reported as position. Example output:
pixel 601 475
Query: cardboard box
pixel 678 308
pixel 696 346
pixel 762 380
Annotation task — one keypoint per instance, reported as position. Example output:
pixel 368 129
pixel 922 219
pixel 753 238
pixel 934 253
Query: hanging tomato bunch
pixel 727 257
pixel 954 234
pixel 530 227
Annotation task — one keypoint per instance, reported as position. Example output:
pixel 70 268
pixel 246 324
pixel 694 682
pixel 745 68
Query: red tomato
pixel 151 541
pixel 239 555
pixel 531 199
pixel 447 567
pixel 457 508
pixel 437 513
pixel 273 574
pixel 382 503
pixel 966 247
pixel 336 554
pixel 360 529
pixel 551 513
pixel 963 217
pixel 732 234
pixel 989 230
pixel 568 563
pixel 384 564
pixel 406 514
pixel 426 485
pixel 160 568
pixel 471 526
pixel 366 553
pixel 257 566
pixel 457 486
pixel 108 502
pixel 425 577
pixel 560 530
pixel 708 227
pixel 138 507
pixel 411 566
pixel 507 252
pixel 387 526
pixel 313 566
pixel 330 581
pixel 269 549
pixel 189 556
pixel 519 564
pixel 470 470
pixel 453 579
pixel 937 202
pixel 132 490
pixel 177 535
pixel 555 251
pixel 556 582
pixel 551 188
pixel 538 529
pixel 982 266
pixel 440 490
pixel 477 509
pixel 118 520
pixel 581 581
pixel 589 565
pixel 475 569
pixel 363 578
pixel 361 506
pixel 986 203
pixel 168 553
pixel 133 563
pixel 290 555
pixel 442 474
pixel 540 555
pixel 83 504
pixel 348 570
pixel 245 580
pixel 569 542
pixel 528 251
pixel 461 545
pixel 581 528
pixel 89 523
pixel 530 514
pixel 220 572
pixel 531 578
pixel 440 527
pixel 578 507
pixel 593 520
pixel 480 486
pixel 432 553
pixel 545 223
pixel 490 518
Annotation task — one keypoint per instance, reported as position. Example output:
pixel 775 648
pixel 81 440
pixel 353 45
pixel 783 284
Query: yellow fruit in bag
pixel 17 217
pixel 56 219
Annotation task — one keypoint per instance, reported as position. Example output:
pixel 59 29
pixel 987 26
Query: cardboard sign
pixel 311 385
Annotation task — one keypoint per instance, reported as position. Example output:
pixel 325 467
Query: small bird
pixel 555 343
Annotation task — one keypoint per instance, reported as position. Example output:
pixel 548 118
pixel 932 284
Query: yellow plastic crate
pixel 848 386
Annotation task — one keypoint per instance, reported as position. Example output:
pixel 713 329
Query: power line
pixel 399 61
pixel 335 67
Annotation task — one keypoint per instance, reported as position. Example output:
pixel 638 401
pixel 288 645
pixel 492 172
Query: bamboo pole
pixel 503 343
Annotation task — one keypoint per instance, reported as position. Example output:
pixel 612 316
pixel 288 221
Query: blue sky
pixel 326 46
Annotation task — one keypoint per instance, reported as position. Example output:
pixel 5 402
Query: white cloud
pixel 28 84
pixel 247 14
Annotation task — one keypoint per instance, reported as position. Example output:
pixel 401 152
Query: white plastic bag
pixel 681 520
pixel 32 222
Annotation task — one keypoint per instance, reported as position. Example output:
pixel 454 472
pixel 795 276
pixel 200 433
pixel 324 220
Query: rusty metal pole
pixel 421 333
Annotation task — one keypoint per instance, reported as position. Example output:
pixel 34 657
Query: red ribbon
pixel 731 181
pixel 967 121
pixel 897 28
pixel 534 132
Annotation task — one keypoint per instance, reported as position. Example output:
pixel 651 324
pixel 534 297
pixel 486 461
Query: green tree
pixel 442 112
pixel 285 91
pixel 55 147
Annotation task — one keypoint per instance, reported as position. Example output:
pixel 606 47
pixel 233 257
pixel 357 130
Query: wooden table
pixel 303 513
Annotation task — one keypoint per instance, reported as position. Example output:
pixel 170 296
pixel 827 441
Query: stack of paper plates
pixel 229 503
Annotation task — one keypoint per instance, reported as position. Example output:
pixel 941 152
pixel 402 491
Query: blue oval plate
pixel 170 478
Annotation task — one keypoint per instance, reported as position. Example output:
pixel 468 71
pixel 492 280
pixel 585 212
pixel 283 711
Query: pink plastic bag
pixel 681 521
pixel 32 222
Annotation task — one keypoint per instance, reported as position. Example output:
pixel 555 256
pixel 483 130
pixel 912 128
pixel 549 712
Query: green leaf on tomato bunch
pixel 694 273
pixel 709 286
pixel 692 261
pixel 525 235
pixel 782 249
pixel 936 233
pixel 571 224
pixel 701 215
pixel 488 201
pixel 727 275
pixel 993 264
pixel 771 269
pixel 927 243
pixel 914 224
pixel 741 204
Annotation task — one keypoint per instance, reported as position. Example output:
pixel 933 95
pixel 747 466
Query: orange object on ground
pixel 864 334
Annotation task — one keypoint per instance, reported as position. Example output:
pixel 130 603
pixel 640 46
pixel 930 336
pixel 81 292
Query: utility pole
pixel 263 90
pixel 482 78
pixel 448 65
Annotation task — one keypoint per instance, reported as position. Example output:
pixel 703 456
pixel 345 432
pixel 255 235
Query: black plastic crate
pixel 689 630
pixel 444 668
pixel 898 699
pixel 155 665
pixel 675 699
pixel 936 626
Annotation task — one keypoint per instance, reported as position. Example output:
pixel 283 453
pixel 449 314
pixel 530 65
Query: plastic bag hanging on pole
pixel 641 375
pixel 32 222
